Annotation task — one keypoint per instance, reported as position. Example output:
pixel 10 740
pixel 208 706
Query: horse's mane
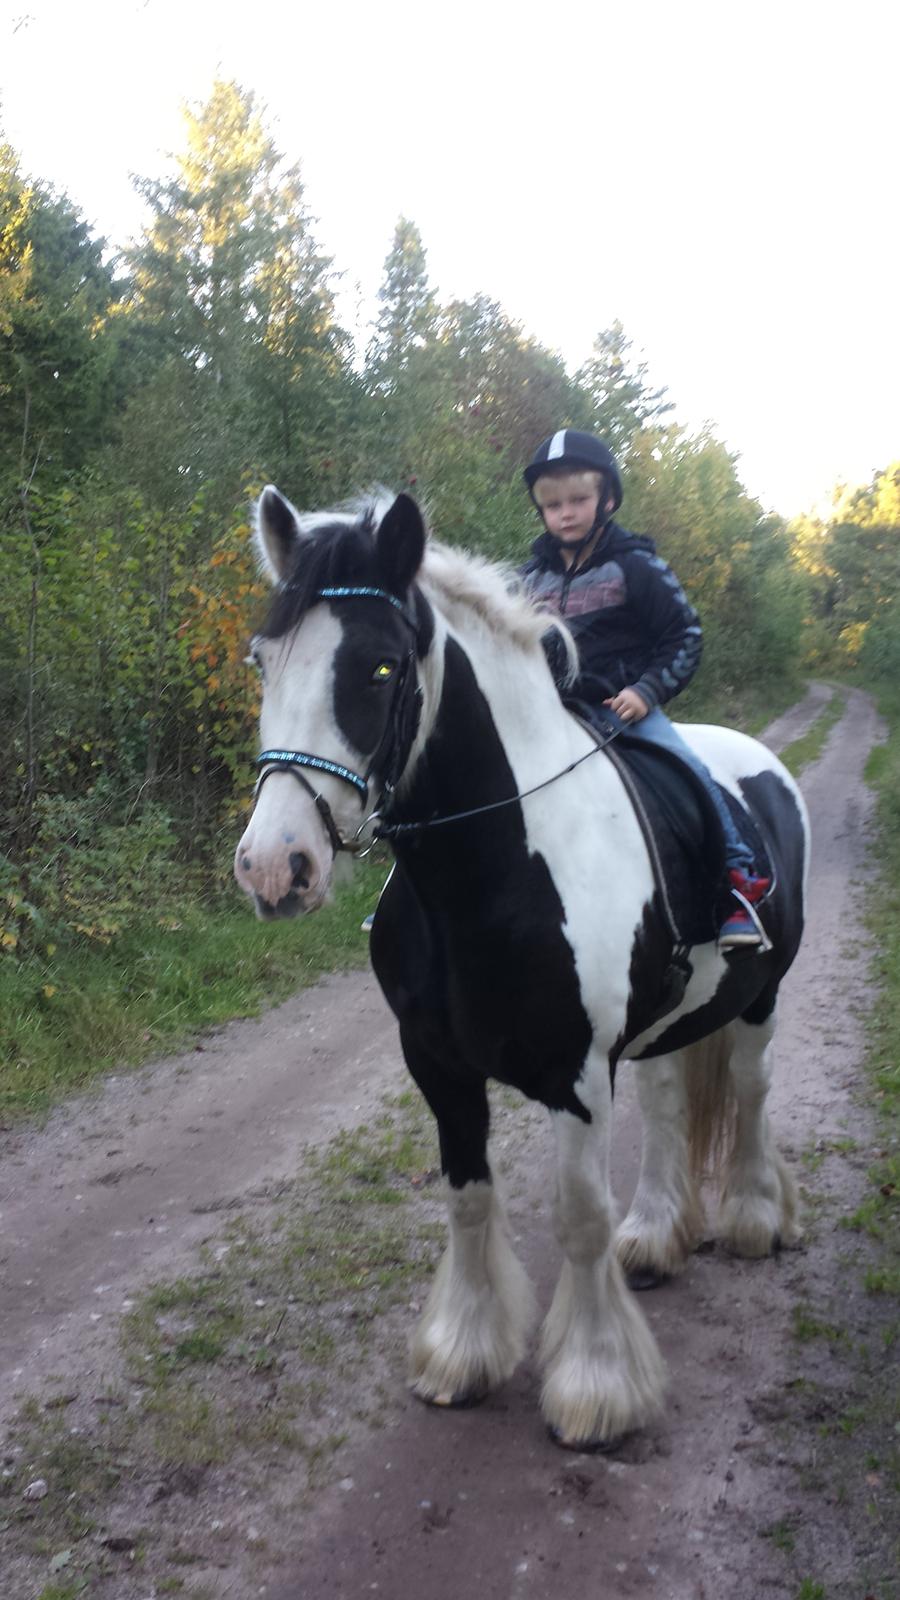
pixel 467 589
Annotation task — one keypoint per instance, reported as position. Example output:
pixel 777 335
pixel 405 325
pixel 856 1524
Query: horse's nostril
pixel 301 868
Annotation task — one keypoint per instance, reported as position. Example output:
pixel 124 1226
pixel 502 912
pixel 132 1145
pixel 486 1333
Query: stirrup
pixel 765 943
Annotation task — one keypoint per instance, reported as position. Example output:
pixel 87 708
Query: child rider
pixel 638 637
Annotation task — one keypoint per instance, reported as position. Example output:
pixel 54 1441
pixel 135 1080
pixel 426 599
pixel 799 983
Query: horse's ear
pixel 278 535
pixel 400 544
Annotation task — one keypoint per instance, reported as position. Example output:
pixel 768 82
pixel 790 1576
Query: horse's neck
pixel 493 724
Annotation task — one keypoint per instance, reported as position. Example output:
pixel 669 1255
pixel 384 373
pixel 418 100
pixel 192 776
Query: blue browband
pixel 365 593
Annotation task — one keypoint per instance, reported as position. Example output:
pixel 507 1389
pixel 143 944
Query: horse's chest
pixel 517 1014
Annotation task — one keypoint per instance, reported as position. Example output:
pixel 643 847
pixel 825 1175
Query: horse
pixel 520 938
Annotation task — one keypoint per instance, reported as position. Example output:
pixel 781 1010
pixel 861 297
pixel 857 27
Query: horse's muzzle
pixel 290 905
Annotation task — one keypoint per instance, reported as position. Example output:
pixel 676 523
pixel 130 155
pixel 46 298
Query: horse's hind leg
pixel 759 1200
pixel 603 1372
pixel 665 1220
pixel 473 1329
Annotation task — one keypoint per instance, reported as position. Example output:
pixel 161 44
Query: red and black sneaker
pixel 739 931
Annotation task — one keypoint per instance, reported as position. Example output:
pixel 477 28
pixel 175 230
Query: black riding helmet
pixel 579 451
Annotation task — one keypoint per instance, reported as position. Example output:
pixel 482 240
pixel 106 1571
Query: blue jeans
pixel 656 728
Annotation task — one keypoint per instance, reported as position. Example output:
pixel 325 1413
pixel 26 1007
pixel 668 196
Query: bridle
pixel 391 752
pixel 395 743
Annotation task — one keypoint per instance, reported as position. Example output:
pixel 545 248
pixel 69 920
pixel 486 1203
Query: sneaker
pixel 366 924
pixel 739 931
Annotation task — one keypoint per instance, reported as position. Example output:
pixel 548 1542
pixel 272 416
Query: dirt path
pixel 119 1188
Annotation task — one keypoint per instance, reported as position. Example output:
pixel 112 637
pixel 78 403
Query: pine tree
pixel 230 286
pixel 622 401
pixel 407 316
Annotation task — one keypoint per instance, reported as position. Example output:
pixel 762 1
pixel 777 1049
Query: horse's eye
pixel 383 671
pixel 254 659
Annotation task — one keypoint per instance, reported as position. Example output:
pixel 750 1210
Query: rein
pixel 398 830
pixel 293 761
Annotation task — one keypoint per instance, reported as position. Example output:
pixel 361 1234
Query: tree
pixel 621 400
pixel 406 319
pixel 56 402
pixel 230 289
pixel 57 355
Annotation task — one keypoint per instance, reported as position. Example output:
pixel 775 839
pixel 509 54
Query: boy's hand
pixel 628 705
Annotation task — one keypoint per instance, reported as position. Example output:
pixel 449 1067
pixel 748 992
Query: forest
pixel 145 397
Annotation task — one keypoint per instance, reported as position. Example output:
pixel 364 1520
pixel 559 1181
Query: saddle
pixel 682 832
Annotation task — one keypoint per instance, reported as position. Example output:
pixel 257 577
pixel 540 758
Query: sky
pixel 721 177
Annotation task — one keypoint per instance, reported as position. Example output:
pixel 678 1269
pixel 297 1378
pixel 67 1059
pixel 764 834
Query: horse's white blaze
pixel 472 1333
pixel 297 715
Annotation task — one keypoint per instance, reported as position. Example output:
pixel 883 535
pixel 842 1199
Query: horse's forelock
pixel 335 548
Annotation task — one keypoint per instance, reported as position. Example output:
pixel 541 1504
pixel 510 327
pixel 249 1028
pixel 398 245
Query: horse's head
pixel 337 655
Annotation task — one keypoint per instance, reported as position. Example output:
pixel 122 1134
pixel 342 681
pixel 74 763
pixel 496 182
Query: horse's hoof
pixel 585 1447
pixel 646 1278
pixel 453 1402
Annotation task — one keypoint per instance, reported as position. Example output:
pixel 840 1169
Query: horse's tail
pixel 712 1107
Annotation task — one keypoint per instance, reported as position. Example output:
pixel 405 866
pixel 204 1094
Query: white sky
pixel 719 174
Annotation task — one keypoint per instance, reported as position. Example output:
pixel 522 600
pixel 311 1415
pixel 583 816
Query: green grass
pixel 804 751
pixel 879 1214
pixel 749 706
pixel 781 1534
pixel 80 1012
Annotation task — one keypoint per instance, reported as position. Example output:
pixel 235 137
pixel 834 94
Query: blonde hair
pixel 581 479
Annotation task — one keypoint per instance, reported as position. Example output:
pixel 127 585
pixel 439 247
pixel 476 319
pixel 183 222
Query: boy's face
pixel 569 504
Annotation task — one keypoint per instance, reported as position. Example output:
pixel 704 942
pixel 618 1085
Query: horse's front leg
pixel 604 1375
pixel 473 1330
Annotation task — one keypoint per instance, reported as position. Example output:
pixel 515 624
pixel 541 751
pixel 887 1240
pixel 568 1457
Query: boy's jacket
pixel 631 620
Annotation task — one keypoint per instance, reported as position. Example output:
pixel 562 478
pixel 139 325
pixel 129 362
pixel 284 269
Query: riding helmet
pixel 580 451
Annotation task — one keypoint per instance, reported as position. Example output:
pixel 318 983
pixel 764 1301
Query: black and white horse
pixel 519 941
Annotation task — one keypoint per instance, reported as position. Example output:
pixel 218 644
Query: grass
pixel 879 1215
pixel 804 751
pixel 749 706
pixel 78 1013
pixel 243 1363
pixel 781 1534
